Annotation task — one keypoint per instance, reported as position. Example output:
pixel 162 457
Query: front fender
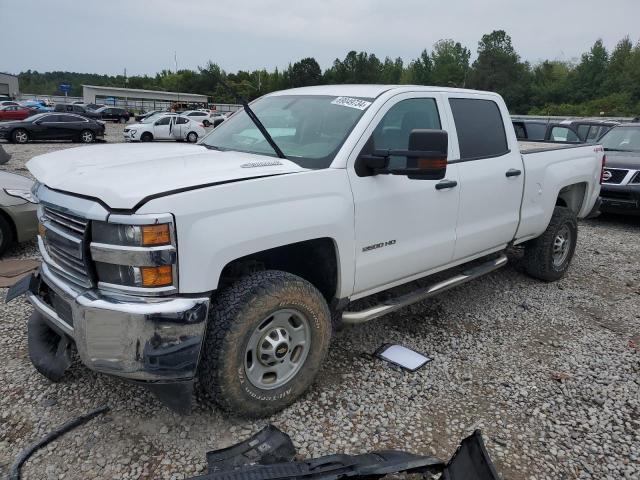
pixel 218 224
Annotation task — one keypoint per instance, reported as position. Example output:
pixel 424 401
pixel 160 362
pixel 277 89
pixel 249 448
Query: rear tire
pixel 548 257
pixel 20 135
pixel 123 120
pixel 146 137
pixel 267 337
pixel 6 235
pixel 192 137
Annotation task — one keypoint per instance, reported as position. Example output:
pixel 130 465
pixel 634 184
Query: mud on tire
pixel 248 308
pixel 548 257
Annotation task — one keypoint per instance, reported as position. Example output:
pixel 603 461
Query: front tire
pixel 146 137
pixel 87 136
pixel 548 257
pixel 6 235
pixel 267 337
pixel 20 135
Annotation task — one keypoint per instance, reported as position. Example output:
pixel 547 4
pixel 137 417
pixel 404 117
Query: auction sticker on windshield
pixel 351 102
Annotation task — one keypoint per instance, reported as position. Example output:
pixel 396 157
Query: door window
pixel 182 120
pixel 563 134
pixel 68 118
pixel 393 131
pixel 163 121
pixel 480 128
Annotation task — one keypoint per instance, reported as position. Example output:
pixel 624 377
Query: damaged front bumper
pixel 138 338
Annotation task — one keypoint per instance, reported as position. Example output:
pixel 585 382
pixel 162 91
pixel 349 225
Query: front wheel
pixel 192 137
pixel 146 137
pixel 548 257
pixel 267 337
pixel 87 136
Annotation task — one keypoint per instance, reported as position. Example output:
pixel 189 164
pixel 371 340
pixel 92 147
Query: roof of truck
pixel 367 90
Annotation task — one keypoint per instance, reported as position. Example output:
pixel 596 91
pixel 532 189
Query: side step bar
pixel 397 303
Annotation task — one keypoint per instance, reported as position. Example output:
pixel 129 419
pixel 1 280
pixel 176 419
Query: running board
pixel 397 303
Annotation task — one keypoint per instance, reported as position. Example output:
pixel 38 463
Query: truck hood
pixel 124 175
pixel 629 160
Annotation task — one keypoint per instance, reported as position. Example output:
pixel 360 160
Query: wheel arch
pixel 572 196
pixel 316 260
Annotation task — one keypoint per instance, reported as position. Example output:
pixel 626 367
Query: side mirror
pixel 426 157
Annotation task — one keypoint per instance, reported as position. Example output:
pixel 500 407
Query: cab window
pixel 393 131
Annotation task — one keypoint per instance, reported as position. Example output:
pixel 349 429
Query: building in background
pixel 138 99
pixel 9 85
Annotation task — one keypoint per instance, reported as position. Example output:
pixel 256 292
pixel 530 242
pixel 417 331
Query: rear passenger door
pixel 491 175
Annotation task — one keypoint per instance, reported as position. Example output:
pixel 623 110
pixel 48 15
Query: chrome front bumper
pixel 139 338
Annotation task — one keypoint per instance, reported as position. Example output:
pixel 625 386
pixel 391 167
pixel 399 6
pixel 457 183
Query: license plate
pixel 22 286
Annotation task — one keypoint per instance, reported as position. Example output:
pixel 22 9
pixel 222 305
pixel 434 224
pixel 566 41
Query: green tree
pixel 588 78
pixel 420 70
pixel 450 64
pixel 304 73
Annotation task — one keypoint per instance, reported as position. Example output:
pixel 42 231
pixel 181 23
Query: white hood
pixel 122 175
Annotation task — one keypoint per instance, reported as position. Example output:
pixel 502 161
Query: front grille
pixel 617 175
pixel 65 240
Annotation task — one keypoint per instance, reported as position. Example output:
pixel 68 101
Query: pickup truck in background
pixel 543 131
pixel 233 260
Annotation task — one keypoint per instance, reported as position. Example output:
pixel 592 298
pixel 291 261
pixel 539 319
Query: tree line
pixel 599 82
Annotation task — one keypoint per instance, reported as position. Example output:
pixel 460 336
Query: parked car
pixel 37 106
pixel 165 127
pixel 205 117
pixel 590 130
pixel 230 260
pixel 77 109
pixel 7 103
pixel 114 114
pixel 52 126
pixel 142 115
pixel 18 219
pixel 541 131
pixel 95 106
pixel 621 178
pixel 15 112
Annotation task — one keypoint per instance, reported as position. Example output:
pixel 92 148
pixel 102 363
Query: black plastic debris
pixel 269 455
pixel 4 156
pixel 268 446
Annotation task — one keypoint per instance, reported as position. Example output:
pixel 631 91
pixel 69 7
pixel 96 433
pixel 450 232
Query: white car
pixel 206 117
pixel 165 127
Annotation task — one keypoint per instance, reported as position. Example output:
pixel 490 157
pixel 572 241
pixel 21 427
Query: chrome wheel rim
pixel 87 137
pixel 561 246
pixel 21 137
pixel 277 349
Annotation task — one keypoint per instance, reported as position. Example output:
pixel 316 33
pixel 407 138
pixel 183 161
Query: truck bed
pixel 534 147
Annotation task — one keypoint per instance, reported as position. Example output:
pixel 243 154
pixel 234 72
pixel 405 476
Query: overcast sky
pixel 106 36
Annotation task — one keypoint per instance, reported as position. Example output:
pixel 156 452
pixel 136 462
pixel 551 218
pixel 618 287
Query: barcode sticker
pixel 351 102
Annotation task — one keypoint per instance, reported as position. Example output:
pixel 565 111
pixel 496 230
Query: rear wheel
pixel 87 136
pixel 548 257
pixel 123 120
pixel 20 135
pixel 192 137
pixel 146 137
pixel 267 337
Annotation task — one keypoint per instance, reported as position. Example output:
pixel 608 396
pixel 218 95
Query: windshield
pixel 35 117
pixel 309 129
pixel 624 139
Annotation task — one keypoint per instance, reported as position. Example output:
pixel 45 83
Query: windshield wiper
pixel 254 119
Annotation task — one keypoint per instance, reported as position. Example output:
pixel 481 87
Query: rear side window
pixel 480 128
pixel 182 120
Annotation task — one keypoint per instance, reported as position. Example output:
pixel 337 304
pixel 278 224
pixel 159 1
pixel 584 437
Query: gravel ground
pixel 549 372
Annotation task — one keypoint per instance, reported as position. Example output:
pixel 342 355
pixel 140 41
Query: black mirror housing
pixel 426 157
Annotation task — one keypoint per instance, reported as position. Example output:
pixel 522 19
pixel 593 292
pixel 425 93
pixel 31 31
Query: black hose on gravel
pixel 14 473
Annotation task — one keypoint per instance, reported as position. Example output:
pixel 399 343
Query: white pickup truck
pixel 233 259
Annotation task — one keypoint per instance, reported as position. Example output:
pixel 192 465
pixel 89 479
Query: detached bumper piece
pixel 269 454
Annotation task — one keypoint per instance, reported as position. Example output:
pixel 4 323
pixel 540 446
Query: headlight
pixel 132 130
pixel 23 194
pixel 138 257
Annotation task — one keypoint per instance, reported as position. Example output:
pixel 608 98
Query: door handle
pixel 442 184
pixel 513 172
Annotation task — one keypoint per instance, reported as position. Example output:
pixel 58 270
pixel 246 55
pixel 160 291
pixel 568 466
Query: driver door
pixel 403 227
pixel 163 128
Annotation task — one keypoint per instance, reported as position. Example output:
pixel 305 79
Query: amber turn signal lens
pixel 156 235
pixel 156 276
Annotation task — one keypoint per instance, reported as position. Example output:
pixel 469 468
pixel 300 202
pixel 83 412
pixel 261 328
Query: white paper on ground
pixel 403 356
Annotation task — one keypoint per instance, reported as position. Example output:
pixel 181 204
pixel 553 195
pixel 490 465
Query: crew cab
pixel 233 260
